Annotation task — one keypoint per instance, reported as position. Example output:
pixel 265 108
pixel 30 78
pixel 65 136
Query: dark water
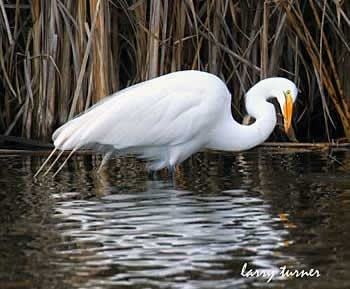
pixel 266 209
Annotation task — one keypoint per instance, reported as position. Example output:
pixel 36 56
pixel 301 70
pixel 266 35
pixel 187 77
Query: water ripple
pixel 166 233
pixel 119 230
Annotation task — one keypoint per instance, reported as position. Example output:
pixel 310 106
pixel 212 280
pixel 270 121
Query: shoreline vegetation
pixel 13 144
pixel 59 57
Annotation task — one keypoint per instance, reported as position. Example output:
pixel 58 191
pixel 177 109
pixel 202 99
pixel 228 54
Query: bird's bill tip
pixel 288 111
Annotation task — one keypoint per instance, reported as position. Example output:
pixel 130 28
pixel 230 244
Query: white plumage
pixel 166 119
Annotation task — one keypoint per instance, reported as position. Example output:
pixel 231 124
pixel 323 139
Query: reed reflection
pixel 207 226
pixel 118 228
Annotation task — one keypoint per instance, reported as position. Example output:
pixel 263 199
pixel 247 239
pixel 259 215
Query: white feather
pixel 168 118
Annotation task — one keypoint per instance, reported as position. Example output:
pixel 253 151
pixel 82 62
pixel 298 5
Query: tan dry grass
pixel 59 57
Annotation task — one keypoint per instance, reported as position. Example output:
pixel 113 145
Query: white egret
pixel 168 118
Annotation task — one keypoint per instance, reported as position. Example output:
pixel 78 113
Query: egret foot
pixel 172 174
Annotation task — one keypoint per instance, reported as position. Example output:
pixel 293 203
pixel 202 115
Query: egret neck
pixel 232 136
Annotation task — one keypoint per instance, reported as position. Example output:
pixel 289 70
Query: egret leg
pixel 106 157
pixel 45 162
pixel 172 174
pixel 152 175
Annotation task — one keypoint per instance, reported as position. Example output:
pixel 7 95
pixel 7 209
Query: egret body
pixel 168 118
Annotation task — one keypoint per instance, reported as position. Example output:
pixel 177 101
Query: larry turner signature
pixel 284 272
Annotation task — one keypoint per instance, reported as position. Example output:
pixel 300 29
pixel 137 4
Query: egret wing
pixel 142 116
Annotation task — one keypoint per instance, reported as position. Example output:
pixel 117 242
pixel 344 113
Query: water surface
pixel 118 229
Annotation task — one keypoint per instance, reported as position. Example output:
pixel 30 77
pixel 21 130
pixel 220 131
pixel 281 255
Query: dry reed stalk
pixel 164 37
pixel 343 59
pixel 277 46
pixel 196 62
pixel 56 62
pixel 52 46
pixel 112 39
pixel 35 73
pixel 247 48
pixel 29 100
pixel 200 39
pixel 65 58
pixel 264 55
pixel 153 38
pixel 7 77
pixel 213 48
pixel 298 24
pixel 334 73
pixel 139 27
pixel 99 53
pixel 8 30
pixel 79 47
pixel 7 111
pixel 179 35
pixel 84 62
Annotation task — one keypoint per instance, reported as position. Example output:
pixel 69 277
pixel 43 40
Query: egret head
pixel 286 100
pixel 282 89
pixel 287 109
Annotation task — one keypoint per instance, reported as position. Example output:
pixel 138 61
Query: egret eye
pixel 287 93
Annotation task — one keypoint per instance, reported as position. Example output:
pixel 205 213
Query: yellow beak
pixel 288 111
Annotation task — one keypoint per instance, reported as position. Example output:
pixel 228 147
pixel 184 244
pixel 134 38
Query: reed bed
pixel 59 57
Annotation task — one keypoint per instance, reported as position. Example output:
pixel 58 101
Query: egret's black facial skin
pixel 273 100
pixel 279 132
pixel 279 114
